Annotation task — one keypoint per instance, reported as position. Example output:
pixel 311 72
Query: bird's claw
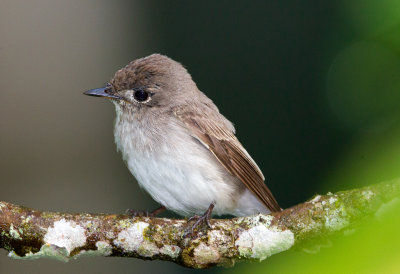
pixel 200 221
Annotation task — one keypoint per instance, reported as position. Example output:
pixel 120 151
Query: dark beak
pixel 101 92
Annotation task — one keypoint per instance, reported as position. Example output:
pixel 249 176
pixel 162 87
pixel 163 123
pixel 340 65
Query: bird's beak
pixel 101 92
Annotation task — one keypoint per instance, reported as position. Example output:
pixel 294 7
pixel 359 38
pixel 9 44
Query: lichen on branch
pixel 31 234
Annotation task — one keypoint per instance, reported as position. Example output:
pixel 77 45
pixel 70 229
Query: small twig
pixel 29 234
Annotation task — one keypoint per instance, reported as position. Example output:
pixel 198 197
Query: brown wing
pixel 221 141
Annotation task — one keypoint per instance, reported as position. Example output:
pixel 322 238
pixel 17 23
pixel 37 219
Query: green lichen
pixel 46 251
pixel 26 219
pixel 159 239
pixel 103 249
pixel 14 233
pixel 162 234
pixel 336 220
pixel 368 194
pixel 124 223
pixel 92 226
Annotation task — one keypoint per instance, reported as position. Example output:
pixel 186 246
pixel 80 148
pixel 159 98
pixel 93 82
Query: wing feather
pixel 216 135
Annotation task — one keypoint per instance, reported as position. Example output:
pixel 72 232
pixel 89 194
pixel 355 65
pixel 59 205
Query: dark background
pixel 312 88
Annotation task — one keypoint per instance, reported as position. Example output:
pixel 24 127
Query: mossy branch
pixel 31 234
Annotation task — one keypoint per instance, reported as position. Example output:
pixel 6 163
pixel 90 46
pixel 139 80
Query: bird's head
pixel 152 81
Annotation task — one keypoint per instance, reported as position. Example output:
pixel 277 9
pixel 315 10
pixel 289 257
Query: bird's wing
pixel 222 142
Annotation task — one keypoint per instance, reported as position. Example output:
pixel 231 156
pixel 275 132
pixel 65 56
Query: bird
pixel 179 147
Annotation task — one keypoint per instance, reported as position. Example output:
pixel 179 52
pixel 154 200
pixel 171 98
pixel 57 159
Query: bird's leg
pixel 142 213
pixel 202 220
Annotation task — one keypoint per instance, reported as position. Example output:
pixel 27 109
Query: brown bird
pixel 178 145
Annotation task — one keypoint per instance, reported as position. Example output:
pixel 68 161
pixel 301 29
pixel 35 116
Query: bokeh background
pixel 312 87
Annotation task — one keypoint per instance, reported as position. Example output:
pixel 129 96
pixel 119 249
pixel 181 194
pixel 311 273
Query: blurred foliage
pixel 363 93
pixel 363 85
pixel 363 82
pixel 374 157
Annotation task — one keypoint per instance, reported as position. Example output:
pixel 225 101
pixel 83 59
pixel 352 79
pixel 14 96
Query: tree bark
pixel 31 234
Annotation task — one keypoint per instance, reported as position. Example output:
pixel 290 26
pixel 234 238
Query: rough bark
pixel 31 234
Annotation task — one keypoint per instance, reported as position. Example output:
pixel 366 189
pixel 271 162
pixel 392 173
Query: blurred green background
pixel 312 87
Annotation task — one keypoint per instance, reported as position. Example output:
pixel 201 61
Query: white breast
pixel 177 170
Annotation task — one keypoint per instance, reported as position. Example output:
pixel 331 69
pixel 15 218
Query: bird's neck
pixel 136 133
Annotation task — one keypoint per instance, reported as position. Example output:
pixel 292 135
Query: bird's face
pixel 154 82
pixel 133 98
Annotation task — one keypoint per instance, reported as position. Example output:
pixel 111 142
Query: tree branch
pixel 31 234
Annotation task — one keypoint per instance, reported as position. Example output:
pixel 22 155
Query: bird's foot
pixel 143 213
pixel 203 220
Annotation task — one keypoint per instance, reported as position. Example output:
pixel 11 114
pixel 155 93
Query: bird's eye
pixel 141 95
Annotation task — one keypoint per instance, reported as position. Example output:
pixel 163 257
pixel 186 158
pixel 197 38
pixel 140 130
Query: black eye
pixel 141 95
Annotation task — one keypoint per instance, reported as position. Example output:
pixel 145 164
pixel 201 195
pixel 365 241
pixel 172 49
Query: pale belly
pixel 186 183
pixel 181 174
